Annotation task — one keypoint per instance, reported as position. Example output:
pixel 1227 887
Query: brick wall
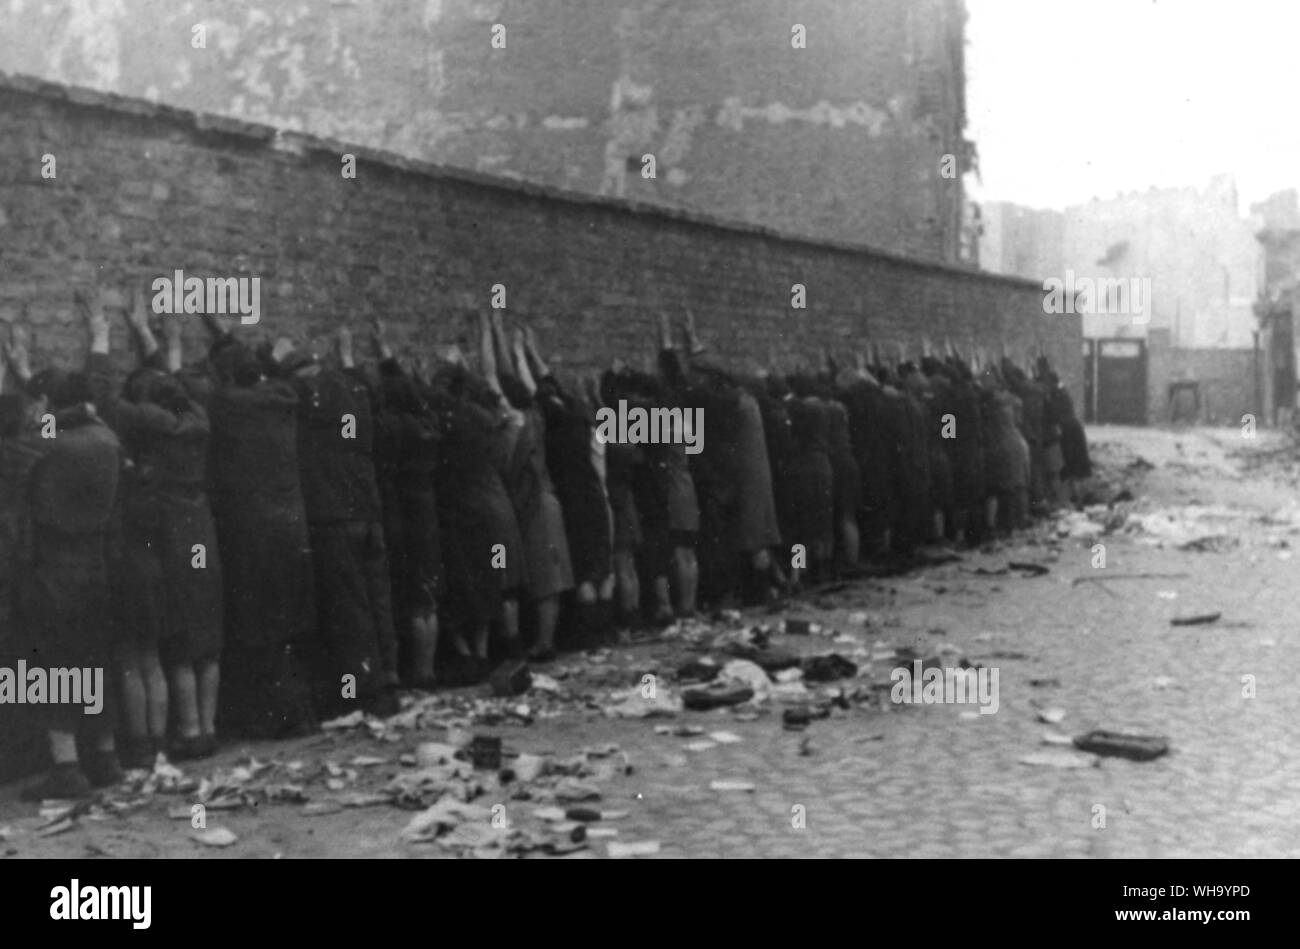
pixel 143 190
pixel 842 139
pixel 1225 377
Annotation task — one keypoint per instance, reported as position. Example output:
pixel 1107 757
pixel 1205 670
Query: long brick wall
pixel 143 190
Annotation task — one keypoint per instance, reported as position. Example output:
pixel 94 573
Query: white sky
pixel 1071 99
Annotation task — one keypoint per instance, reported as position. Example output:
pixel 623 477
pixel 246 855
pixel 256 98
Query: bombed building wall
pixel 140 192
pixel 842 138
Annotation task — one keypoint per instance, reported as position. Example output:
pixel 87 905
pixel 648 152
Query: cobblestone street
pixel 929 780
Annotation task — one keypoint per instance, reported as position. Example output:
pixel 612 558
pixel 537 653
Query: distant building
pixel 843 139
pixel 1179 269
pixel 1278 221
pixel 1198 253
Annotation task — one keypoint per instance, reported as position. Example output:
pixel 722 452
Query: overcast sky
pixel 1071 99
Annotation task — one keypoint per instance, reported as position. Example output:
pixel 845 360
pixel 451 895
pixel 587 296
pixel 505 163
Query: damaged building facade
pixel 835 119
pixel 1177 338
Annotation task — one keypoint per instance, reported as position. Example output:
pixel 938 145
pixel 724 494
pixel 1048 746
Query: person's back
pixel 253 458
pixel 335 441
pixel 75 482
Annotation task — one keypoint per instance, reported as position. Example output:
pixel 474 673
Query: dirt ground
pixel 1212 527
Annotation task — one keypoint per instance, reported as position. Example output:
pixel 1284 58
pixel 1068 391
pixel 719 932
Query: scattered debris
pixel 644 848
pixel 1200 619
pixel 827 668
pixel 729 785
pixel 1059 759
pixel 1134 747
pixel 1107 577
pixel 633 703
pixel 215 837
pixel 701 700
pixel 442 816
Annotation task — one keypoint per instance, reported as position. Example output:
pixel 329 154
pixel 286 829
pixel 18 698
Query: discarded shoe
pixel 700 700
pixel 64 782
pixel 827 668
pixel 800 716
pixel 697 671
pixel 773 659
pixel 1133 747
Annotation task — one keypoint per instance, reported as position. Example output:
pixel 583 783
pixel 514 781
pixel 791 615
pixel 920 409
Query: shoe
pixel 101 769
pixel 384 705
pixel 64 782
pixel 540 655
pixel 704 699
pixel 139 753
pixel 191 748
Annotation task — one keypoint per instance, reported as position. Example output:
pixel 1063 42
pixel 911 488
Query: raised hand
pixel 343 341
pixel 282 348
pixel 92 312
pixel 17 352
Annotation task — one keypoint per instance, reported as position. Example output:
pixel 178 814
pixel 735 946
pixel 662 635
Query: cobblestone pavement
pixel 929 780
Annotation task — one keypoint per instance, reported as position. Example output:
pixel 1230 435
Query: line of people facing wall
pixel 268 538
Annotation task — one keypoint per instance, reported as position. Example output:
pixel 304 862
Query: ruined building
pixel 842 139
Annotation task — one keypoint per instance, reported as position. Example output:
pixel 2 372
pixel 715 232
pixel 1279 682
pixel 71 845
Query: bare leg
pixel 663 599
pixel 850 541
pixel 629 586
pixel 185 694
pixel 548 615
pixel 688 579
pixel 424 645
pixel 509 623
pixel 63 747
pixel 155 683
pixel 209 681
pixel 134 699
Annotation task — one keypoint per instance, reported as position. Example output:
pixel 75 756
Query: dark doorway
pixel 1115 387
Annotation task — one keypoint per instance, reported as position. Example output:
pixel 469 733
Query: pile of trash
pixel 1206 528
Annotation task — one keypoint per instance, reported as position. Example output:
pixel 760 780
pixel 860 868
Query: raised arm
pixel 378 339
pixel 488 355
pixel 93 315
pixel 538 365
pixel 343 343
pixel 173 337
pixel 499 347
pixel 521 363
pixel 137 317
pixel 17 355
